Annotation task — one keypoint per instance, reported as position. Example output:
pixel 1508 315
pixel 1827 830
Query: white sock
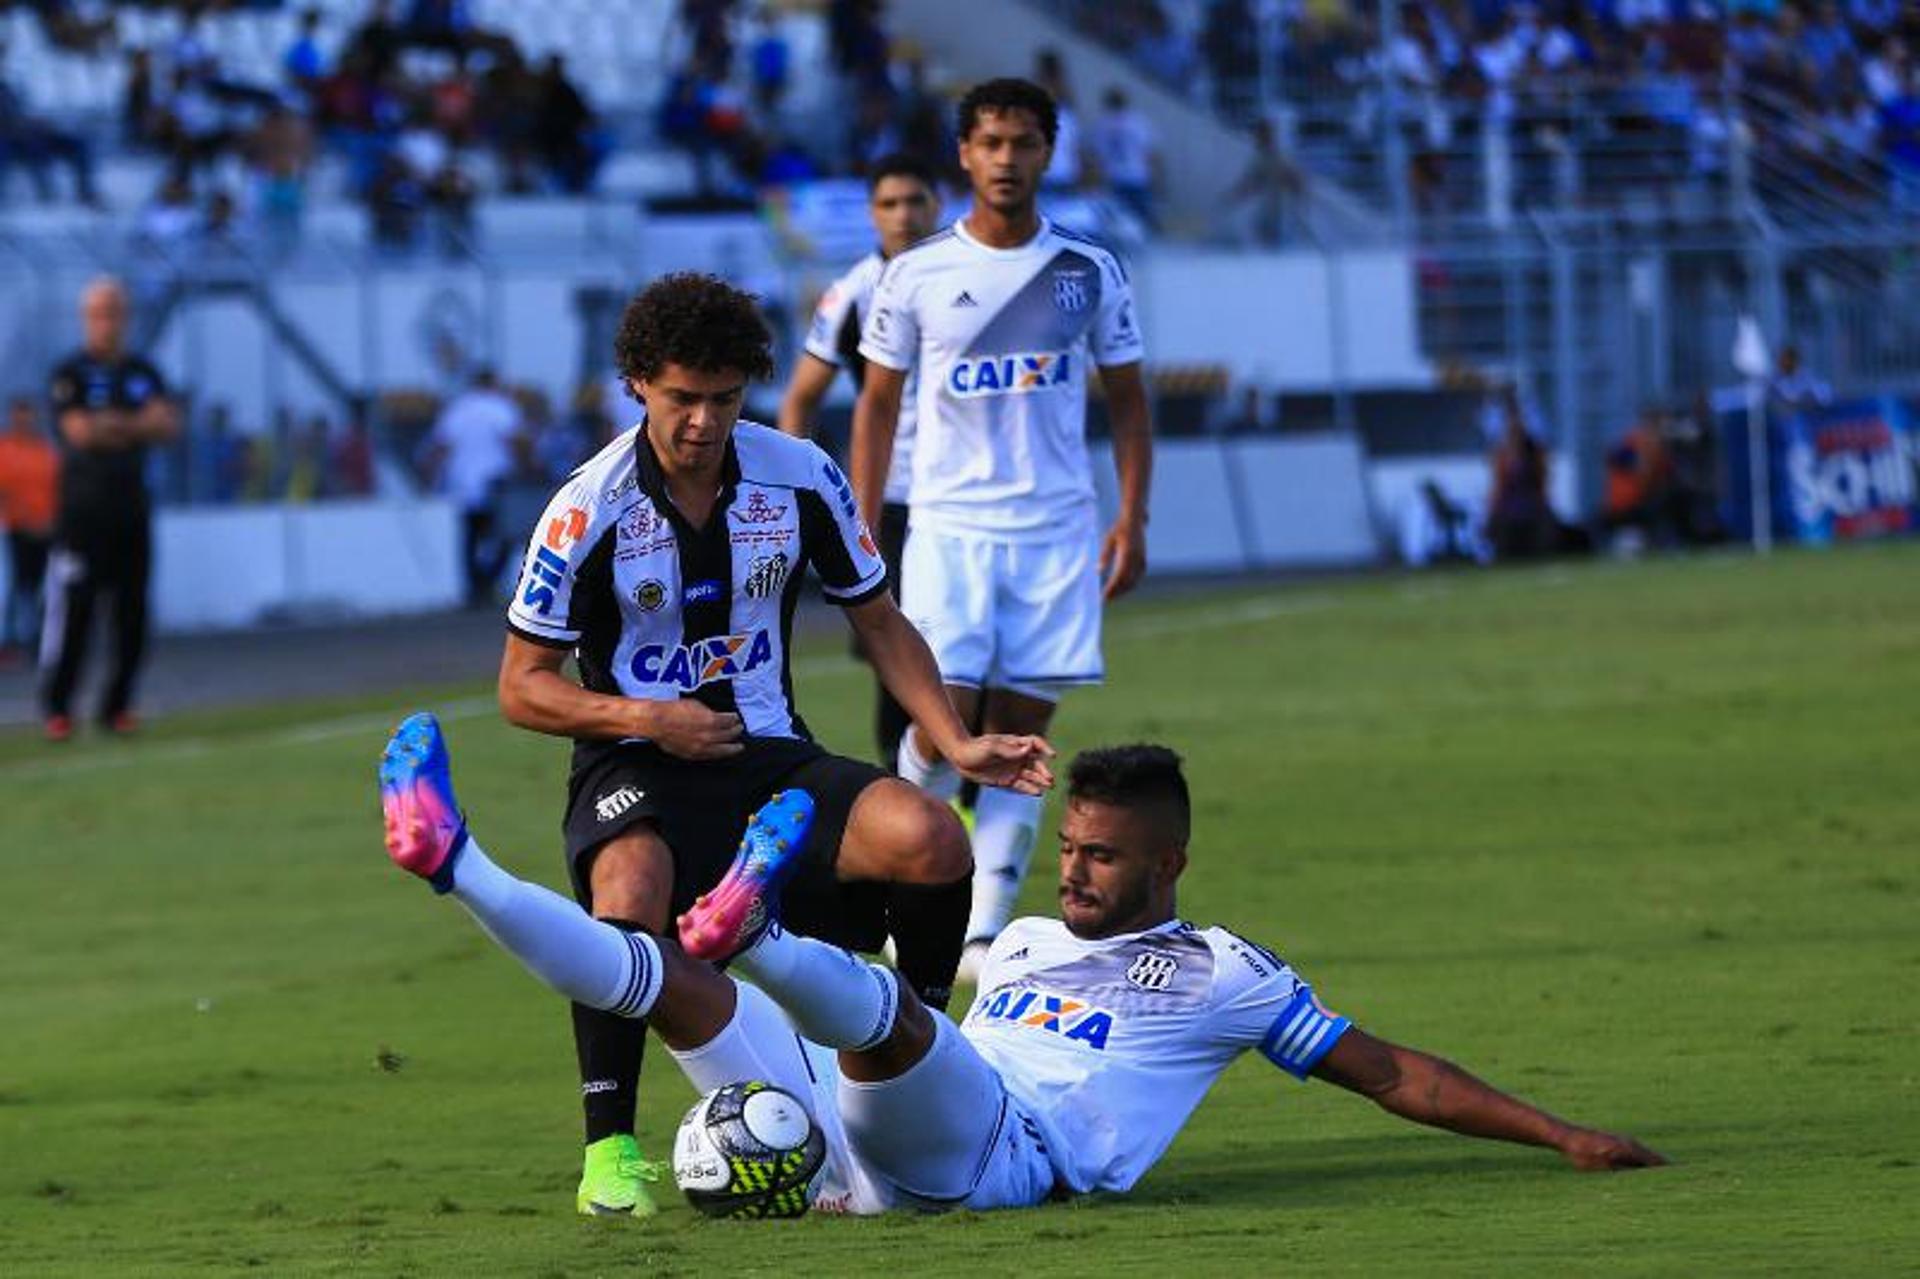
pixel 833 996
pixel 588 961
pixel 940 780
pixel 1005 823
pixel 758 1043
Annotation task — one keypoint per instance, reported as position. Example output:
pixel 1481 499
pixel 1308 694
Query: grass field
pixel 1639 842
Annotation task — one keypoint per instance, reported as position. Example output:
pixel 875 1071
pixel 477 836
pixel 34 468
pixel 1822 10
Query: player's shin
pixel 1005 823
pixel 833 996
pixel 588 961
pixel 928 924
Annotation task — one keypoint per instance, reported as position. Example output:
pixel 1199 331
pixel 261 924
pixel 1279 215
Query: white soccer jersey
pixel 834 337
pixel 1001 339
pixel 1109 1045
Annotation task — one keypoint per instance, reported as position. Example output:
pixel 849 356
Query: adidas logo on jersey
pixel 1010 374
pixel 1051 1014
pixel 965 299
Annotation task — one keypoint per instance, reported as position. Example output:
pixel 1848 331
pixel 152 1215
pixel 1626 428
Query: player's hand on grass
pixel 694 730
pixel 1123 557
pixel 1002 759
pixel 1591 1150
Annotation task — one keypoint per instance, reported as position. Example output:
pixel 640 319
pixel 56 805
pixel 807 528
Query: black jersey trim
pixel 873 592
pixel 544 641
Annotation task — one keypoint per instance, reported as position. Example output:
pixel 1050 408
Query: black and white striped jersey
pixel 655 608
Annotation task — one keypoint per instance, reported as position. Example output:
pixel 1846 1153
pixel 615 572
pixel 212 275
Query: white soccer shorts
pixel 946 1134
pixel 1023 616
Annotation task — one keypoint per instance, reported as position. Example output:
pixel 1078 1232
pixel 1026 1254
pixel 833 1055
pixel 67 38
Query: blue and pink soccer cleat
pixel 732 916
pixel 425 829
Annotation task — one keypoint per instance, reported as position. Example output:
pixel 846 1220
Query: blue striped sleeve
pixel 1302 1034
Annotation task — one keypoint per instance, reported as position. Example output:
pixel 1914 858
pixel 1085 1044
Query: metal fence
pixel 1594 320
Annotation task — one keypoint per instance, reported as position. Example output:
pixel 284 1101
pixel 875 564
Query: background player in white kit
pixel 1092 1039
pixel 1005 570
pixel 904 206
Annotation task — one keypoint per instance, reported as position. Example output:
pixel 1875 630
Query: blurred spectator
pixel 29 498
pixel 1262 208
pixel 224 457
pixel 351 466
pixel 858 43
pixel 1638 509
pixel 1068 167
pixel 1128 153
pixel 280 155
pixel 68 28
pixel 438 24
pixel 1245 415
pixel 375 44
pixel 192 121
pixel 170 219
pixel 771 61
pixel 1164 50
pixel 306 460
pixel 1692 445
pixel 1900 137
pixel 1232 50
pixel 564 130
pixel 1520 519
pixel 38 144
pixel 1795 388
pixel 139 107
pixel 471 451
pixel 559 446
pixel 303 63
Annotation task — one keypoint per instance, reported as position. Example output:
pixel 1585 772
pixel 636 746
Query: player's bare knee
pixel 938 849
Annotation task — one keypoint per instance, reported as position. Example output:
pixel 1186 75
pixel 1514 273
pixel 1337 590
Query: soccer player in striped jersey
pixel 1092 1040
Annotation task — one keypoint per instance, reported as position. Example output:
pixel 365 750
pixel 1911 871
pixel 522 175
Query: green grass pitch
pixel 1641 843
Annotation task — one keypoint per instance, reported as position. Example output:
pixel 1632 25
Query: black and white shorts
pixel 701 811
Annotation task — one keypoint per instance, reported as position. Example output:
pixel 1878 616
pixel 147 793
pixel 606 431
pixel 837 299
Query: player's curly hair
pixel 1135 776
pixel 1009 94
pixel 696 321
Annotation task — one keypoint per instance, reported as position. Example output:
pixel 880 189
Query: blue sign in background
pixel 1838 473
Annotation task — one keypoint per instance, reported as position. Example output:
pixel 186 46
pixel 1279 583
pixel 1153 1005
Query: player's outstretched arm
pixel 1431 1090
pixel 876 417
pixel 812 376
pixel 905 665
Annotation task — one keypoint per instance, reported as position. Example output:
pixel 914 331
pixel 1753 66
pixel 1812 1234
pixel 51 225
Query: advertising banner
pixel 1840 473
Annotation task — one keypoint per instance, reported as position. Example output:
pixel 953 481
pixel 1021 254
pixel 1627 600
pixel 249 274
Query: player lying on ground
pixel 1092 1039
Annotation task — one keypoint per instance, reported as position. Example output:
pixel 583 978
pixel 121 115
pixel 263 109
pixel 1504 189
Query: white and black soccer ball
pixel 748 1150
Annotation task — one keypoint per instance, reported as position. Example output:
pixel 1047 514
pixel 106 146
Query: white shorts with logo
pixel 1023 616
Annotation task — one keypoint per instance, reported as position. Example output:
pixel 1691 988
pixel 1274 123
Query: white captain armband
pixel 1302 1034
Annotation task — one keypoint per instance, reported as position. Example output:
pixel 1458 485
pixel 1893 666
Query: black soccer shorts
pixel 701 811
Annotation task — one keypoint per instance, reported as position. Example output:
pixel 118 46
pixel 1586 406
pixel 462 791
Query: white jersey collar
pixel 1017 251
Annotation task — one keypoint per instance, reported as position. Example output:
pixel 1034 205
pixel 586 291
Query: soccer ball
pixel 748 1150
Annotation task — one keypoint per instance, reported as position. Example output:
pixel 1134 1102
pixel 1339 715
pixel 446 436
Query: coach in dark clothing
pixel 108 406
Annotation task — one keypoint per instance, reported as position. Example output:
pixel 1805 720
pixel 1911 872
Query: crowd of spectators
pixel 726 101
pixel 409 100
pixel 1837 77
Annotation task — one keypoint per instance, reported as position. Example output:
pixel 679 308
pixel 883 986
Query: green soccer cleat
pixel 614 1181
